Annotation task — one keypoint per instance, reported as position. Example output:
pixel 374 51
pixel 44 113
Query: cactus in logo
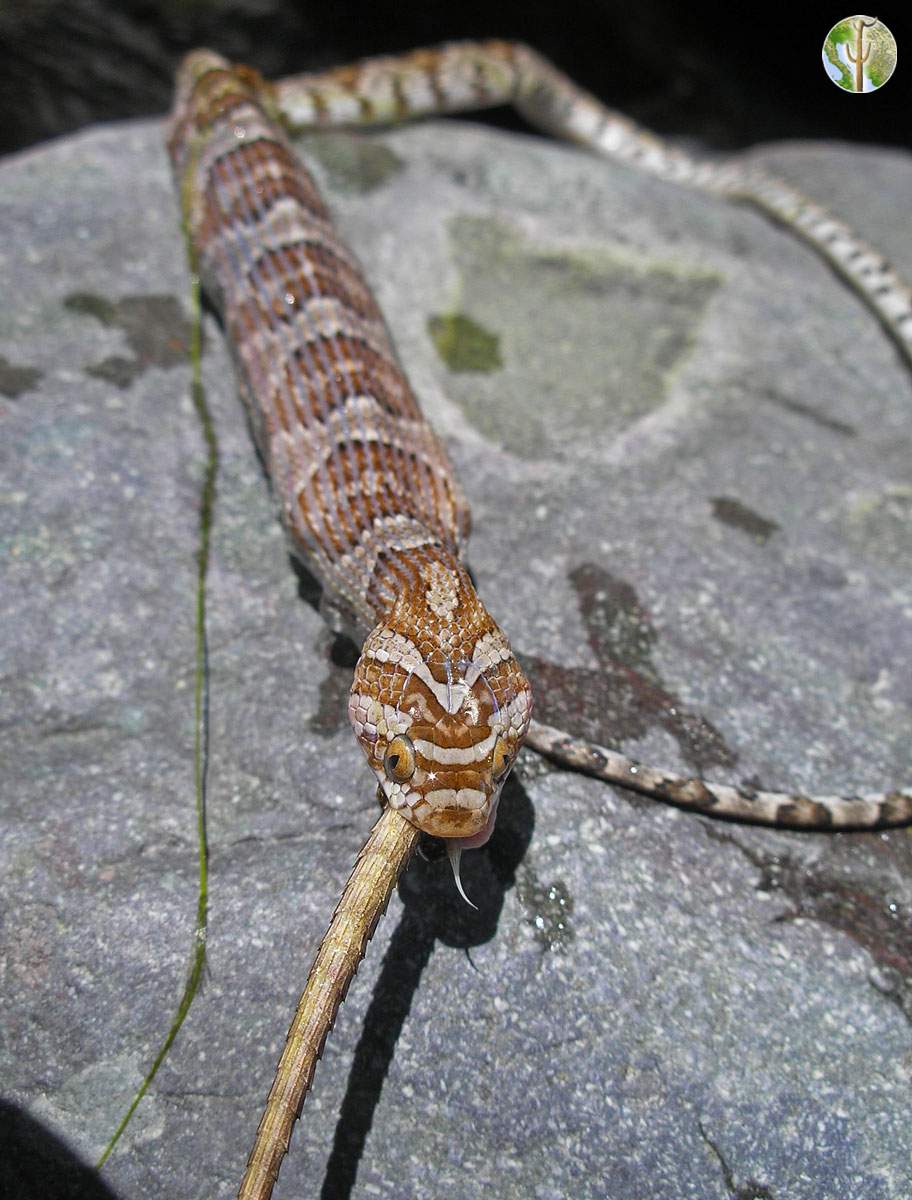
pixel 859 54
pixel 859 57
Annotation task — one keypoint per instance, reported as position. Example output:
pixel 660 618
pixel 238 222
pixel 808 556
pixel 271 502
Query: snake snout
pixel 454 814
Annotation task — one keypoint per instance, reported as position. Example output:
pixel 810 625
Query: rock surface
pixel 688 451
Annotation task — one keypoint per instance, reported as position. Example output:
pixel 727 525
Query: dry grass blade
pixel 364 899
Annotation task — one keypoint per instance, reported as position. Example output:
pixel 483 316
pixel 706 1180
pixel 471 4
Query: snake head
pixel 440 708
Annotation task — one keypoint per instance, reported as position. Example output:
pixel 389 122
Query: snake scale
pixel 365 491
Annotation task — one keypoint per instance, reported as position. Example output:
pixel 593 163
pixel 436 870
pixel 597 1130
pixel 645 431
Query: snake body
pixel 367 495
pixel 364 488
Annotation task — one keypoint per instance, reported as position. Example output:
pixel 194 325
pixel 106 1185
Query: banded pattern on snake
pixel 365 491
pixel 364 487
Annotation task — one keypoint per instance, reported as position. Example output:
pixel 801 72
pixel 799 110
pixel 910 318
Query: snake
pixel 364 487
pixel 365 490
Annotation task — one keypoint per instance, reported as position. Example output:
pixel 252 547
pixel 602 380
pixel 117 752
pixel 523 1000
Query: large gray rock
pixel 688 451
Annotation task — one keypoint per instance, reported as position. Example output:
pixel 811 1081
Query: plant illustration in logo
pixel 859 54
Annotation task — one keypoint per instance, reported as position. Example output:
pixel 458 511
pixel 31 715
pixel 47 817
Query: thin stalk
pixel 364 899
pixel 201 716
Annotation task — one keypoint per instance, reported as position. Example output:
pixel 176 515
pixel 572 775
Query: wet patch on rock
pixel 463 344
pixel 731 512
pixel 15 380
pixel 548 908
pixel 623 696
pixel 354 164
pixel 157 330
pixel 824 891
pixel 875 921
pixel 589 337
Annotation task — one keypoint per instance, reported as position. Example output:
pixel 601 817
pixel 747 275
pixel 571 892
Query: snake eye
pixel 399 761
pixel 501 759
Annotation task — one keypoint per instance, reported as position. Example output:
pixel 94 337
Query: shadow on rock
pixel 36 1164
pixel 433 912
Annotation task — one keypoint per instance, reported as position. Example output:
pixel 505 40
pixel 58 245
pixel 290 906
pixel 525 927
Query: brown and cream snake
pixel 365 491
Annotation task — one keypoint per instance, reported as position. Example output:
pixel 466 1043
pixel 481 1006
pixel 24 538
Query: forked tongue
pixel 454 853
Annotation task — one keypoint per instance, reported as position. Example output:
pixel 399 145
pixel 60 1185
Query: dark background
pixel 725 74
